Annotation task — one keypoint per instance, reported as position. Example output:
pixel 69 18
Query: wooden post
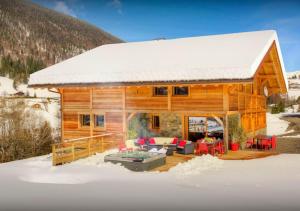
pixel 61 91
pixel 124 114
pixel 73 152
pixel 183 126
pixel 53 155
pixel 102 144
pixel 226 134
pixel 99 145
pixel 89 146
pixel 169 98
pixel 225 109
pixel 91 113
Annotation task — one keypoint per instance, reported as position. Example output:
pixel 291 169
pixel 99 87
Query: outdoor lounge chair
pixel 158 145
pixel 173 144
pixel 141 142
pixel 185 147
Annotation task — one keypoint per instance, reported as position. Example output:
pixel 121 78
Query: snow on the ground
pixel 294 84
pixel 275 125
pixel 292 136
pixel 210 184
pixel 6 86
pixel 294 93
pixel 196 167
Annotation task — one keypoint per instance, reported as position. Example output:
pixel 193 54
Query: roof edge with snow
pixel 214 58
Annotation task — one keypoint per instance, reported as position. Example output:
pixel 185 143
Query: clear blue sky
pixel 138 20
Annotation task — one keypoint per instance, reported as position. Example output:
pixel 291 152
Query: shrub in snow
pixel 23 133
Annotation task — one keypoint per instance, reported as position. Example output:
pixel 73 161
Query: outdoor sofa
pixel 185 147
pixel 160 142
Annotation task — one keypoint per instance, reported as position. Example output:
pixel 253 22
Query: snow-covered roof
pixel 215 57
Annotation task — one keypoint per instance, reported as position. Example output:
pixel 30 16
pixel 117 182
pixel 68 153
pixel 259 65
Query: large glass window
pixel 180 91
pixel 85 120
pixel 160 91
pixel 99 120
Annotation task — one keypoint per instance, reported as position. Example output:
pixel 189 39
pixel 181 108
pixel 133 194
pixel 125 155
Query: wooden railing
pixel 250 102
pixel 74 149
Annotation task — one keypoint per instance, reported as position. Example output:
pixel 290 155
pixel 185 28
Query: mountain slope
pixel 294 84
pixel 34 36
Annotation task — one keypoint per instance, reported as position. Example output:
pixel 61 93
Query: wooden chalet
pixel 209 76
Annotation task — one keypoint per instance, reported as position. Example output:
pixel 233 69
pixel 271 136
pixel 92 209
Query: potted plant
pixel 238 139
pixel 234 145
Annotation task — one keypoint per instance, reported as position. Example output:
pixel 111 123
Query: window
pixel 155 122
pixel 160 91
pixel 99 120
pixel 181 91
pixel 85 120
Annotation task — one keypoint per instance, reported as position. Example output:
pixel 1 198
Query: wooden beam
pixel 91 113
pixel 195 112
pixel 225 98
pixel 124 113
pixel 226 134
pixel 62 114
pixel 183 126
pixel 268 76
pixel 130 116
pixel 140 84
pixel 169 98
pixel 274 90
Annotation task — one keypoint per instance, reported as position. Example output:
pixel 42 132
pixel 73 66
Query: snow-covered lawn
pixel 275 125
pixel 203 183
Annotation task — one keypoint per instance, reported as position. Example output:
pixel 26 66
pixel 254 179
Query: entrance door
pixel 199 127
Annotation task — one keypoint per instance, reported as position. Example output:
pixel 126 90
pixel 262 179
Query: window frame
pixel 104 121
pixel 158 95
pixel 80 118
pixel 154 121
pixel 177 95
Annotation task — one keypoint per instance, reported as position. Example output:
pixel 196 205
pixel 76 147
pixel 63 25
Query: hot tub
pixel 137 160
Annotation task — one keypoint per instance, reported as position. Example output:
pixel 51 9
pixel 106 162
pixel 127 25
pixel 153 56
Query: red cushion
pixel 151 141
pixel 182 143
pixel 174 140
pixel 141 141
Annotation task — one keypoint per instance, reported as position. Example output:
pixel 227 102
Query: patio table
pixel 259 138
pixel 210 145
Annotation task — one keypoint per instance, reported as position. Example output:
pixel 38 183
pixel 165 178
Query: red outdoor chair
pixel 218 147
pixel 201 149
pixel 274 142
pixel 265 144
pixel 151 141
pixel 141 141
pixel 175 140
pixel 250 143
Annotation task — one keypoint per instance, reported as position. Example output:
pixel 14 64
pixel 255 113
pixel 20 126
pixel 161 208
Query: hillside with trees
pixel 33 37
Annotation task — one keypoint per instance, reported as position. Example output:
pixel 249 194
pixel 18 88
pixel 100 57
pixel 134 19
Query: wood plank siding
pixel 118 103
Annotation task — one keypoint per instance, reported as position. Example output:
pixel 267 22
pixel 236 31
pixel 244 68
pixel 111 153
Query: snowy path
pixel 276 126
pixel 271 182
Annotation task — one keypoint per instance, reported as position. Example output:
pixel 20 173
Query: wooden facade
pixel 219 99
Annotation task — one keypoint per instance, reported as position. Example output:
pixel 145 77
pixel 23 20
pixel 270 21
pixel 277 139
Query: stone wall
pixel 170 125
